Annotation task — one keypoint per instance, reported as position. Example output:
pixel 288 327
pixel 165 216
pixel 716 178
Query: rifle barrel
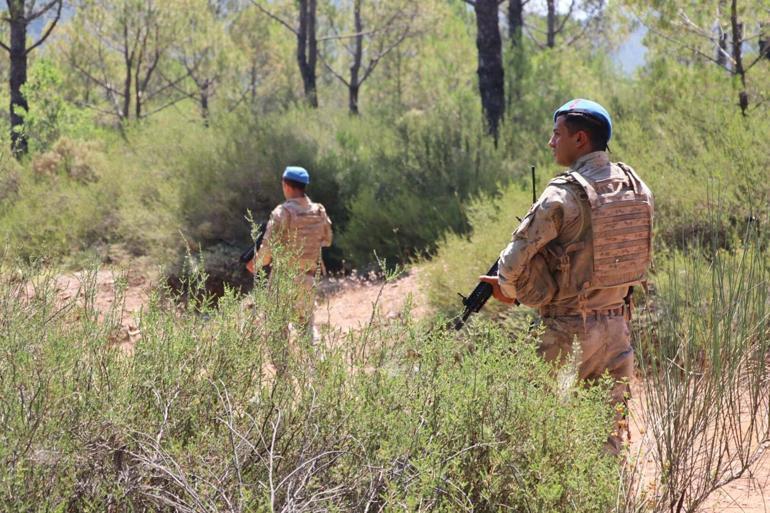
pixel 534 190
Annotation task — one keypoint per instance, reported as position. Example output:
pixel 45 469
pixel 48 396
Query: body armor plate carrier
pixel 621 221
pixel 306 232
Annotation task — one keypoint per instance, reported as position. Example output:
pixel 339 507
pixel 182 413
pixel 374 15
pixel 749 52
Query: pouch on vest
pixel 535 286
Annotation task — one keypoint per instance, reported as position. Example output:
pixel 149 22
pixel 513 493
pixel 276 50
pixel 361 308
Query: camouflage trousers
pixel 605 346
pixel 300 331
pixel 305 304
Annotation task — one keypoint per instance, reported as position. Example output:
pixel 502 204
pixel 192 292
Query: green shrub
pixel 196 418
pixel 392 190
pixel 699 157
pixel 52 115
pixel 56 215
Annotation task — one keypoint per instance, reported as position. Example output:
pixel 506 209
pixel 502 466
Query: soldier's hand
pixel 497 293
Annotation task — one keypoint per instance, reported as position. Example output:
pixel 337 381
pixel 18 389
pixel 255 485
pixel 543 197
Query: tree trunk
pixel 490 68
pixel 551 20
pixel 515 22
pixel 137 95
pixel 307 49
pixel 764 40
pixel 17 78
pixel 127 91
pixel 517 59
pixel 253 82
pixel 353 99
pixel 358 54
pixel 204 102
pixel 721 49
pixel 737 27
pixel 312 50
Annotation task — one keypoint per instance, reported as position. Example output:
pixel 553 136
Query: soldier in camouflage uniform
pixel 582 246
pixel 302 228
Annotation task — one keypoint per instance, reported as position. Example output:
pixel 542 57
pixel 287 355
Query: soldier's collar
pixel 593 160
pixel 302 200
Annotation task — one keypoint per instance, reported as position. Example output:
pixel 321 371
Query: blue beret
pixel 588 108
pixel 296 174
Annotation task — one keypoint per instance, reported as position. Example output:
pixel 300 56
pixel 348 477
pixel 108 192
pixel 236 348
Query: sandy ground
pixel 109 286
pixel 749 494
pixel 351 303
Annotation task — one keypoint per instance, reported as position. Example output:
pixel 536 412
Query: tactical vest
pixel 615 250
pixel 306 230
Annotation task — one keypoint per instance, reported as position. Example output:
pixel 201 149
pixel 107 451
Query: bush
pixel 702 344
pixel 699 157
pixel 197 418
pixel 460 260
pixel 389 190
pixel 52 115
pixel 51 216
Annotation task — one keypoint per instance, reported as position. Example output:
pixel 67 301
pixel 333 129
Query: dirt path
pixel 748 494
pixel 121 294
pixel 351 303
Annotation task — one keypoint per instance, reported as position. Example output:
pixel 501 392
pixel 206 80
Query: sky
pixel 631 54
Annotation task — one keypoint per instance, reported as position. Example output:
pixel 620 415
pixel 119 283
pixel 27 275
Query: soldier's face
pixel 565 146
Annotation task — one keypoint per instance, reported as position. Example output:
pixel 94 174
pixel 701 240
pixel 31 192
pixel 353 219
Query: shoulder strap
pixel 593 198
pixel 636 182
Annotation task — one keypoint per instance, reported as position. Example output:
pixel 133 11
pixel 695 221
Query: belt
pixel 547 312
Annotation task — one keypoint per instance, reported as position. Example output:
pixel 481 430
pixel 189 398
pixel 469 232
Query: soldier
pixel 302 228
pixel 579 251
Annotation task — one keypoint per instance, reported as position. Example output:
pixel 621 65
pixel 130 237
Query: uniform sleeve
pixel 326 240
pixel 541 225
pixel 275 225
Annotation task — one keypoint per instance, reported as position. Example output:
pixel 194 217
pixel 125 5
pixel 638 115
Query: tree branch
pixel 331 70
pixel 100 110
pixel 580 34
pixel 683 45
pixel 566 18
pixel 759 58
pixel 44 9
pixel 163 107
pixel 528 30
pixel 169 84
pixel 275 17
pixel 50 27
pixel 104 85
pixel 348 36
pixel 375 60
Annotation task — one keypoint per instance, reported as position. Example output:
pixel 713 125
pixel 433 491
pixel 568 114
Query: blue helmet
pixel 296 174
pixel 589 108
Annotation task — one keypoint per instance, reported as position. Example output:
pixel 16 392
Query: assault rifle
pixel 249 253
pixel 483 291
pixel 476 300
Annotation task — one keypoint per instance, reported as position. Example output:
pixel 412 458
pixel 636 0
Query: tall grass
pixel 703 350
